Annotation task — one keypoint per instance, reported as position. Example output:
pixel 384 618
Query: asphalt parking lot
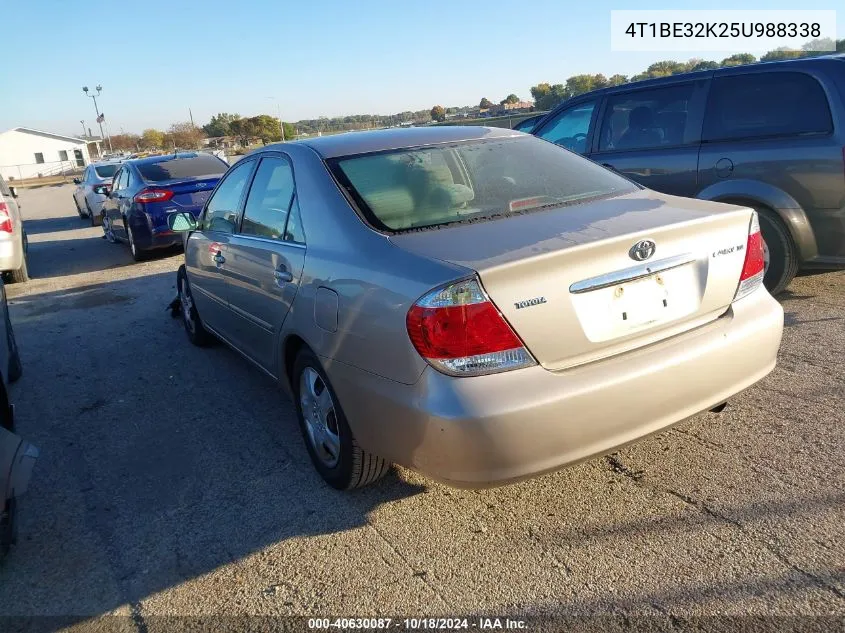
pixel 174 480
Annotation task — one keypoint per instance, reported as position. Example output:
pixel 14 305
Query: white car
pixel 92 189
pixel 13 242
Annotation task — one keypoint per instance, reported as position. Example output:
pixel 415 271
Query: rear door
pixel 112 207
pixel 653 135
pixel 777 128
pixel 206 250
pixel 264 261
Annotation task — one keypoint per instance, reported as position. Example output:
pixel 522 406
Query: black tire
pixel 197 333
pixel 783 256
pixel 78 209
pixel 21 274
pixel 94 219
pixel 355 467
pixel 137 254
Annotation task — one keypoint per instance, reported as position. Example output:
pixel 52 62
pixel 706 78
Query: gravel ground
pixel 173 481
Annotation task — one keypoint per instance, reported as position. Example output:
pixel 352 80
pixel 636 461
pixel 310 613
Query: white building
pixel 28 153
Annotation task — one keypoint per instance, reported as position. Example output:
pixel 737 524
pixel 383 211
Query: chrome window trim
pixel 268 240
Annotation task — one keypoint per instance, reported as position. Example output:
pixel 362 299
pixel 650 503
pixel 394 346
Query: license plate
pixel 640 302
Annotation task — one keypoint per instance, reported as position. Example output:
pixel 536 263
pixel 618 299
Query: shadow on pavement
pixel 54 225
pixel 160 461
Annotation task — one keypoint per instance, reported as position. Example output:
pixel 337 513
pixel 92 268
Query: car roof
pixel 702 74
pixel 350 143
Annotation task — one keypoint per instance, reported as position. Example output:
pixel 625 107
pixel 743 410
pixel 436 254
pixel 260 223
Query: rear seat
pixel 402 195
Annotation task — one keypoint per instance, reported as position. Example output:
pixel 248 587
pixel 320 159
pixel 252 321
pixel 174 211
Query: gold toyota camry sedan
pixel 476 304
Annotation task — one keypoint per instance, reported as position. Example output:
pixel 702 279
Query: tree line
pixel 547 96
pixel 186 135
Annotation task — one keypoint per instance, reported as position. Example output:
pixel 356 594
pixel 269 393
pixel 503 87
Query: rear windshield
pixel 106 171
pixel 432 186
pixel 186 167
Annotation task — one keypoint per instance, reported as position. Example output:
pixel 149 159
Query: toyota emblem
pixel 642 250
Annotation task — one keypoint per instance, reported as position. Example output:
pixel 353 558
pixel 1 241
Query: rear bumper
pixel 11 253
pixel 489 430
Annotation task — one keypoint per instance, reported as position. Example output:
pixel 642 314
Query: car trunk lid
pixel 188 195
pixel 569 282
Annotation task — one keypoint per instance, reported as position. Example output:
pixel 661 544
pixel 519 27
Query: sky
pixel 157 60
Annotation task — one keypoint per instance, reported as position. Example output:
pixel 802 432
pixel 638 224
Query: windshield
pixel 106 171
pixel 431 186
pixel 198 166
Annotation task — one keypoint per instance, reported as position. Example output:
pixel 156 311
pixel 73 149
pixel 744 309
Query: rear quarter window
pixel 766 105
pixel 199 166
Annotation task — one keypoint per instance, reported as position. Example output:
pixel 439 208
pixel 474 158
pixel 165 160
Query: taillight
pixel 755 266
pixel 153 195
pixel 5 219
pixel 459 331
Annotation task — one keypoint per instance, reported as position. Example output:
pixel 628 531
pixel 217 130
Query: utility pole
pixel 191 114
pixel 83 130
pixel 100 117
pixel 279 116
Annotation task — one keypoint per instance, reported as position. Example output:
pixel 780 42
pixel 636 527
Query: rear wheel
pixel 78 209
pixel 779 253
pixel 333 449
pixel 21 274
pixel 137 254
pixel 197 334
pixel 91 215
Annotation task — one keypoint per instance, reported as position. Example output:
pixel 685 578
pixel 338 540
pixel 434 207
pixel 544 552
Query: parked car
pixel 17 456
pixel 526 125
pixel 13 242
pixel 145 191
pixel 473 303
pixel 92 189
pixel 770 136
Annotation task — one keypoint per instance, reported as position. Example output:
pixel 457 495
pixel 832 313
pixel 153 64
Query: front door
pixel 77 155
pixel 264 261
pixel 653 136
pixel 207 249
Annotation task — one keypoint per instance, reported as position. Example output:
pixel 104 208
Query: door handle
pixel 219 259
pixel 282 276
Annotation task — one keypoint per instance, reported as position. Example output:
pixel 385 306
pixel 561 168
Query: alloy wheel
pixel 318 411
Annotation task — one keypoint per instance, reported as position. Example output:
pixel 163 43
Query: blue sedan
pixel 146 191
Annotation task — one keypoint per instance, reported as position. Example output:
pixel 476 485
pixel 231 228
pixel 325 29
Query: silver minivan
pixel 13 243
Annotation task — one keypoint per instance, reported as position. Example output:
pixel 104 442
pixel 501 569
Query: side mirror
pixel 13 191
pixel 181 222
pixel 77 181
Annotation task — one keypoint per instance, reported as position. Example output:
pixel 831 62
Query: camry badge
pixel 642 250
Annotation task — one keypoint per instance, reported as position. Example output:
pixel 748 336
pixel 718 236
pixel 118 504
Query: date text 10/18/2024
pixel 417 624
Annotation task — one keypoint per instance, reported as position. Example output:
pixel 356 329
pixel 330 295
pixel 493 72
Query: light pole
pixel 279 116
pixel 100 117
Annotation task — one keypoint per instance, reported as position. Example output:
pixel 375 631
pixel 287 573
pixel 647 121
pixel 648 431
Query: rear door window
pixel 645 119
pixel 763 105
